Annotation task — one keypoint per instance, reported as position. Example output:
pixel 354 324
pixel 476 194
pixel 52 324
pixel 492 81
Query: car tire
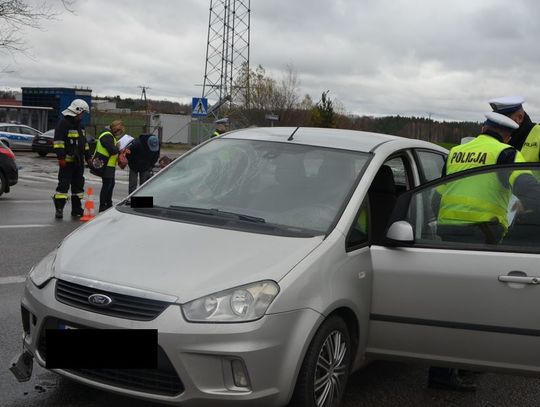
pixel 326 367
pixel 42 153
pixel 3 183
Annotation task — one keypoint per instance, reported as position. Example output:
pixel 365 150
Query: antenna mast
pixel 227 52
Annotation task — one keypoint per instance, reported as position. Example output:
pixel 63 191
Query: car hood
pixel 177 259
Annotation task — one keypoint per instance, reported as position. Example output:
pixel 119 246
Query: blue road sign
pixel 199 107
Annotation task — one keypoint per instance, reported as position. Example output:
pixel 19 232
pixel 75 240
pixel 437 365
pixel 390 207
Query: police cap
pixel 506 104
pixel 500 120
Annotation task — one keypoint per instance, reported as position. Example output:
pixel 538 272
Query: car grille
pixel 122 306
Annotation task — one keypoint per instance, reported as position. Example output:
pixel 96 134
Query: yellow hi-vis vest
pixel 531 147
pixel 480 198
pixel 112 159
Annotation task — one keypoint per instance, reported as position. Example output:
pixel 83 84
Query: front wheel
pixel 325 370
pixel 42 153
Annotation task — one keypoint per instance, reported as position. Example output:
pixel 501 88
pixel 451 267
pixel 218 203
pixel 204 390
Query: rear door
pixel 458 303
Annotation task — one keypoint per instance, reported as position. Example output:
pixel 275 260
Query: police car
pixel 17 136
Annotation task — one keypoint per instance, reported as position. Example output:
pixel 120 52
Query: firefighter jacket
pixel 70 141
pixel 482 198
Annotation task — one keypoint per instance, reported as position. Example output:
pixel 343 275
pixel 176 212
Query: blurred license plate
pixel 42 141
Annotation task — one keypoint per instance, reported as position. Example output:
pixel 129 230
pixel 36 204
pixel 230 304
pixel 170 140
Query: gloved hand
pixel 89 162
pixel 62 163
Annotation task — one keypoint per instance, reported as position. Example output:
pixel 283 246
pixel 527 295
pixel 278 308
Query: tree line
pixel 257 95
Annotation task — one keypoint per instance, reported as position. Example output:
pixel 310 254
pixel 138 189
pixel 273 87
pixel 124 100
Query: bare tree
pixel 15 15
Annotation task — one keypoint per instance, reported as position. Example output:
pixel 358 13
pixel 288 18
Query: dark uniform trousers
pixel 71 176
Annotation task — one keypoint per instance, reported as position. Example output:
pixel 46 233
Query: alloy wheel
pixel 331 370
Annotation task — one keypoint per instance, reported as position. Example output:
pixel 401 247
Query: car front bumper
pixel 199 355
pixel 42 148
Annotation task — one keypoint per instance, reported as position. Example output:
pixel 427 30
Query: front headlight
pixel 240 304
pixel 44 270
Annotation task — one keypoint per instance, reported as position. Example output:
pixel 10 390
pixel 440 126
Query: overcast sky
pixel 377 57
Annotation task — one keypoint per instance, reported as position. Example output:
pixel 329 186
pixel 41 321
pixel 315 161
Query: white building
pixel 176 128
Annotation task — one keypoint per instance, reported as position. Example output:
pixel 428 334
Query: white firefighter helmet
pixel 76 107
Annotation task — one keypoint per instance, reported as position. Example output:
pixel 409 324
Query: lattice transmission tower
pixel 227 52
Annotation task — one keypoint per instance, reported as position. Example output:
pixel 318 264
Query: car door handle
pixel 519 279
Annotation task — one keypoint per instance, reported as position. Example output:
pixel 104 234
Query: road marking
pixel 12 280
pixel 40 178
pixel 23 226
pixel 28 202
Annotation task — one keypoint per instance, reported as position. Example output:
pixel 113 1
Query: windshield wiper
pixel 219 213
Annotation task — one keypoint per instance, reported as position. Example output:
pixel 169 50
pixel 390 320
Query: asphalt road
pixel 28 231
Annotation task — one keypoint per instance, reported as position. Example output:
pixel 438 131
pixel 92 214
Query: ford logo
pixel 99 300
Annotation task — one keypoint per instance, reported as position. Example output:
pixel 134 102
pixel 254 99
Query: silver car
pixel 18 136
pixel 260 257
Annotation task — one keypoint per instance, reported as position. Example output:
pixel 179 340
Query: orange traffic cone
pixel 89 213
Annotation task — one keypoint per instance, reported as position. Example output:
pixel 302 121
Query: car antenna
pixel 291 136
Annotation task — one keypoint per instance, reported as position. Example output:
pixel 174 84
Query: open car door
pixel 459 303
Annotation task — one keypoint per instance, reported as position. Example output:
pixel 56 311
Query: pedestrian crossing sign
pixel 199 107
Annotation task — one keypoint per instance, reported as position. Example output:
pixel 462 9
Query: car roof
pixel 333 138
pixel 17 124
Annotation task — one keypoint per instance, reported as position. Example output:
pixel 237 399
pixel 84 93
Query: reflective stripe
pixel 453 217
pixel 70 158
pixel 73 134
pixel 86 147
pixel 80 195
pixel 58 144
pixel 473 202
pixel 60 196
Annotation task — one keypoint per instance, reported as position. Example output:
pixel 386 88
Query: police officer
pixel 527 137
pixel 107 148
pixel 221 127
pixel 71 148
pixel 482 217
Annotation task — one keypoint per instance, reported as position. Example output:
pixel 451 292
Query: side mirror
pixel 401 232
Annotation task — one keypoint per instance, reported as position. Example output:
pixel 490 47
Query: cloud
pixel 376 57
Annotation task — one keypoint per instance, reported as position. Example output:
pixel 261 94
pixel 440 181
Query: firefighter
pixel 72 150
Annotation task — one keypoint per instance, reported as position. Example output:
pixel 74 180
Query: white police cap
pixel 500 120
pixel 506 104
pixel 222 121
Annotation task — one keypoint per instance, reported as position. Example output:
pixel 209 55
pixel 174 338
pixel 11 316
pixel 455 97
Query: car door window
pixel 430 164
pixel 29 131
pixel 14 129
pixel 477 210
pixel 400 173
